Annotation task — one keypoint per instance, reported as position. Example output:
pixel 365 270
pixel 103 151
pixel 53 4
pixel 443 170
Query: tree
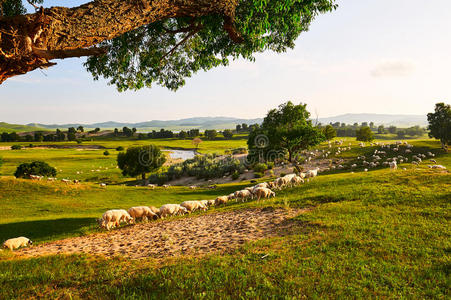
pixel 287 128
pixel 116 132
pixel 364 124
pixel 401 134
pixel 71 136
pixel 196 142
pixel 81 128
pixel 38 168
pixel 392 129
pixel 440 124
pixel 228 134
pixel 71 130
pixel 329 132
pixel 381 129
pixel 244 127
pixel 371 125
pixel 96 130
pixel 211 134
pixel 38 137
pixel 364 134
pixel 140 160
pixel 238 128
pixel 183 134
pixel 127 131
pixel 144 42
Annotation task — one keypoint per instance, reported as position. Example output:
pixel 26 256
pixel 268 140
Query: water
pixel 181 154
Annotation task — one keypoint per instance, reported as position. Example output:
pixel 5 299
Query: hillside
pixel 6 127
pixel 378 119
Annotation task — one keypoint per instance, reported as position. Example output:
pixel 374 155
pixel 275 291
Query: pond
pixel 181 154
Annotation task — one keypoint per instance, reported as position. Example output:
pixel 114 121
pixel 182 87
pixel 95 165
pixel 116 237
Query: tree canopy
pixel 140 160
pixel 440 124
pixel 138 43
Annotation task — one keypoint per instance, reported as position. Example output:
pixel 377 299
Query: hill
pixel 378 119
pixel 6 127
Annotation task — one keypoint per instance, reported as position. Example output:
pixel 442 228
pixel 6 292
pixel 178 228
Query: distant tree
pixel 336 124
pixel 392 129
pixel 329 132
pixel 414 131
pixel 71 136
pixel 142 136
pixel 193 133
pixel 28 138
pixel 238 128
pixel 287 128
pixel 16 147
pixel 364 124
pixel 343 125
pixel 356 125
pixel 183 135
pixel 401 134
pixel 97 130
pixel 228 134
pixel 127 131
pixel 71 130
pixel 120 148
pixel 440 124
pixel 116 132
pixel 196 142
pixel 371 125
pixel 140 160
pixel 253 127
pixel 38 137
pixel 364 134
pixel 38 168
pixel 381 129
pixel 59 136
pixel 134 129
pixel 106 153
pixel 80 128
pixel 211 134
pixel 244 127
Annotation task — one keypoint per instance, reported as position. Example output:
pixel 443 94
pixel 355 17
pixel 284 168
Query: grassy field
pixel 377 234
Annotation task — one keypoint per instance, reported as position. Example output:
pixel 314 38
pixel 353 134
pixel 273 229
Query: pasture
pixel 381 233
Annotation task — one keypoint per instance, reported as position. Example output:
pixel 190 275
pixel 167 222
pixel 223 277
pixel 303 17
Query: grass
pixel 378 234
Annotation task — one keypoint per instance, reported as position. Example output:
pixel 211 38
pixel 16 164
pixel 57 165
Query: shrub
pixel 235 175
pixel 78 141
pixel 30 146
pixel 260 168
pixel 16 147
pixel 106 153
pixel 120 148
pixel 270 165
pixel 258 175
pixel 38 168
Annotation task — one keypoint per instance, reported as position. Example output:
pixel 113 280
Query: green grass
pixel 378 234
pixel 6 127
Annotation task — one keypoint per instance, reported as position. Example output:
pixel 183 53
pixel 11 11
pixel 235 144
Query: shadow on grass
pixel 46 229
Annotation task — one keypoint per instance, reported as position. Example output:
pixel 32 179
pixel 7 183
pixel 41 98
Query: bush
pixel 16 147
pixel 258 175
pixel 260 168
pixel 78 141
pixel 38 168
pixel 30 146
pixel 235 175
pixel 120 148
pixel 106 153
pixel 270 165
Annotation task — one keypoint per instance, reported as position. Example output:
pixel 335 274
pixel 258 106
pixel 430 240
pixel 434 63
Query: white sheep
pixel 264 192
pixel 221 200
pixel 393 165
pixel 172 210
pixel 16 243
pixel 312 173
pixel 193 206
pixel 114 217
pixel 141 212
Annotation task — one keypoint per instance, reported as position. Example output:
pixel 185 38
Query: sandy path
pixel 195 235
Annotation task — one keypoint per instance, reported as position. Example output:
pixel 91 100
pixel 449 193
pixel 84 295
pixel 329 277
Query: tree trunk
pixel 28 42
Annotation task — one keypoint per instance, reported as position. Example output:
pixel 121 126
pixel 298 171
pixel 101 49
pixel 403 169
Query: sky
pixel 368 56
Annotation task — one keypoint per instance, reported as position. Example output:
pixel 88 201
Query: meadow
pixel 376 234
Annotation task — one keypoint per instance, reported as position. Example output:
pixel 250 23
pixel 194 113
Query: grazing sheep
pixel 207 203
pixel 193 187
pixel 152 186
pixel 103 185
pixel 296 180
pixel 393 165
pixel 311 173
pixel 438 167
pixel 16 243
pixel 263 184
pixel 193 206
pixel 172 210
pixel 141 212
pixel 264 192
pixel 114 217
pixel 211 202
pixel 66 181
pixel 221 200
pixel 166 186
pixel 433 161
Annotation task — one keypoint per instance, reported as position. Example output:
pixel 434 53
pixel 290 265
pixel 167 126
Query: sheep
pixel 221 200
pixel 207 203
pixel 244 194
pixel 231 196
pixel 438 167
pixel 433 161
pixel 51 179
pixel 166 186
pixel 296 180
pixel 114 217
pixel 66 181
pixel 172 210
pixel 193 206
pixel 263 184
pixel 193 187
pixel 103 185
pixel 152 186
pixel 264 192
pixel 142 212
pixel 155 210
pixel 16 243
pixel 311 173
pixel 393 165
pixel 211 202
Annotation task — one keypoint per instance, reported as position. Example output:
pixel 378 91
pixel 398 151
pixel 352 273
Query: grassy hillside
pixel 5 127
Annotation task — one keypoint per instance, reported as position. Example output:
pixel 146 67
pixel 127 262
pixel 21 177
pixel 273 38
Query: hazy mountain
pixel 189 123
pixel 220 123
pixel 378 119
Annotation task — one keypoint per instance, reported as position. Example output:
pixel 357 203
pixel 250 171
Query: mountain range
pixel 221 123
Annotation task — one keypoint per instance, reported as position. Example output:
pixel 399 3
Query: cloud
pixel 393 69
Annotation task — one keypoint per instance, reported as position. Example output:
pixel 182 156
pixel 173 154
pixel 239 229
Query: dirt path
pixel 195 235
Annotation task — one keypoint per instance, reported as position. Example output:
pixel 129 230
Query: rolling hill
pixel 6 127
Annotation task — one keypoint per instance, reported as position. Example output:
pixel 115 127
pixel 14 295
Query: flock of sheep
pixel 115 217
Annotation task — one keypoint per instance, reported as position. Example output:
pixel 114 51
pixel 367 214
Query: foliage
pixel 285 129
pixel 440 123
pixel 106 153
pixel 270 165
pixel 228 134
pixel 260 167
pixel 140 160
pixel 329 132
pixel 16 147
pixel 196 142
pixel 235 174
pixel 119 148
pixel 365 134
pixel 211 134
pixel 140 58
pixel 258 175
pixel 39 168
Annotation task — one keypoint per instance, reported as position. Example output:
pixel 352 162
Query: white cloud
pixel 393 69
